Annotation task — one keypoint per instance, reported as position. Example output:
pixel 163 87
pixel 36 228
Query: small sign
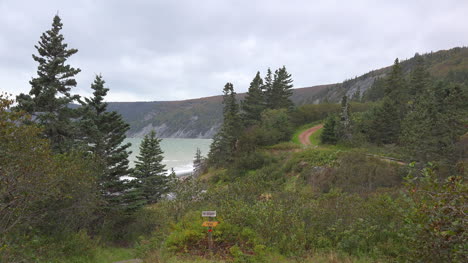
pixel 210 223
pixel 208 214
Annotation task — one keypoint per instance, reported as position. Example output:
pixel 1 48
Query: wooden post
pixel 210 224
pixel 210 236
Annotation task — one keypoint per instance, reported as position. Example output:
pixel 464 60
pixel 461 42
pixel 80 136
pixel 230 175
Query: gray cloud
pixel 168 50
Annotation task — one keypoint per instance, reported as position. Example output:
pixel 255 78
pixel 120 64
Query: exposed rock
pixel 163 131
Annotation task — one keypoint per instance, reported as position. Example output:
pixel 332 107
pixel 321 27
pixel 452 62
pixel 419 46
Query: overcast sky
pixel 173 50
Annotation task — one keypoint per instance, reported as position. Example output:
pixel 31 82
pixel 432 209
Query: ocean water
pixel 178 153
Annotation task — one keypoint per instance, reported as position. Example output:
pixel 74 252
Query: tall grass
pixel 315 137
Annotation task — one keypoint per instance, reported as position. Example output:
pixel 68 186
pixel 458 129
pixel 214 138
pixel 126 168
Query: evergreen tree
pixel 254 102
pixel 395 82
pixel 357 95
pixel 198 158
pixel 50 95
pixel 91 125
pixel 150 173
pixel 172 174
pixel 419 79
pixel 343 128
pixel 284 80
pixel 198 163
pixel 276 126
pixel 224 142
pixel 397 90
pixel 231 119
pixel 104 132
pixel 267 87
pixel 218 149
pixel 430 132
pixel 328 135
pixel 281 89
pixel 376 91
pixel 386 122
pixel 384 128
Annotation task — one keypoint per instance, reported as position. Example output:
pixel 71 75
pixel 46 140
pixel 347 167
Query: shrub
pixel 359 173
pixel 313 112
pixel 276 126
pixel 438 218
pixel 310 158
pixel 189 236
pixel 53 248
pixel 249 161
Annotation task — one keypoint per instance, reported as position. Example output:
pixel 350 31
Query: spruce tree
pixel 267 88
pixel 150 173
pixel 218 149
pixel 172 174
pixel 343 129
pixel 91 124
pixel 397 90
pixel 430 132
pixel 328 135
pixel 357 95
pixel 385 125
pixel 224 142
pixel 254 102
pixel 419 79
pixel 231 119
pixel 395 82
pixel 284 81
pixel 281 89
pixel 376 91
pixel 50 95
pixel 197 163
pixel 104 132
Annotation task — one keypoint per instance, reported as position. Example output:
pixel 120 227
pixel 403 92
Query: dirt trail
pixel 304 136
pixel 304 139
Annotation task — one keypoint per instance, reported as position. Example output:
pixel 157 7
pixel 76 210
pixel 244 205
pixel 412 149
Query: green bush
pixel 276 126
pixel 250 161
pixel 370 226
pixel 437 218
pixel 66 247
pixel 188 236
pixel 360 173
pixel 313 112
pixel 151 221
pixel 258 255
pixel 310 158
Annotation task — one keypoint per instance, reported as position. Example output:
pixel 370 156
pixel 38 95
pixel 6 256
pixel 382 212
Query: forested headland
pixel 383 181
pixel 202 117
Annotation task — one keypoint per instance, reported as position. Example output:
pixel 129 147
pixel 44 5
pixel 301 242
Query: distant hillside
pixel 444 64
pixel 195 118
pixel 200 118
